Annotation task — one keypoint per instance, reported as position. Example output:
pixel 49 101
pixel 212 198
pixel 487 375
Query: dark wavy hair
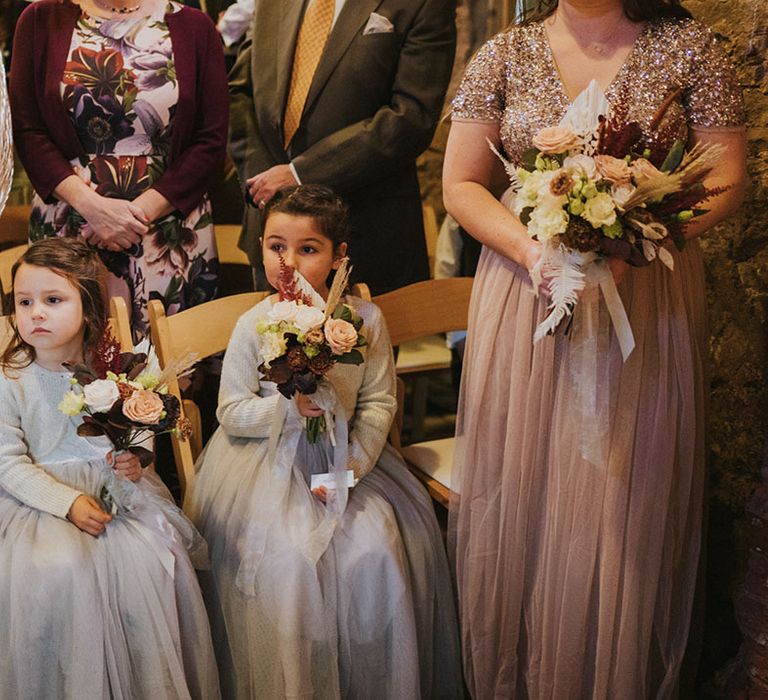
pixel 318 202
pixel 635 10
pixel 80 265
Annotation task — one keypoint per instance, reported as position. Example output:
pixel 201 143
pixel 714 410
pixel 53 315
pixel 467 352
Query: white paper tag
pixel 329 482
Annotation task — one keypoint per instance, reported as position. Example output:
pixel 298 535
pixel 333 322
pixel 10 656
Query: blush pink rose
pixel 614 169
pixel 143 406
pixel 643 170
pixel 556 139
pixel 341 335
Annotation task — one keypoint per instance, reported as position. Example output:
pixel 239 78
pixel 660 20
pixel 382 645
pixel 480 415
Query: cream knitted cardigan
pixel 33 433
pixel 366 392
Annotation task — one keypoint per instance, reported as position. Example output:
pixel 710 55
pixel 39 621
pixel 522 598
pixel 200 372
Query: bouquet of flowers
pixel 125 399
pixel 592 188
pixel 303 336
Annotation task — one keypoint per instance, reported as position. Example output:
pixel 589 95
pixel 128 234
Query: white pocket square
pixel 378 24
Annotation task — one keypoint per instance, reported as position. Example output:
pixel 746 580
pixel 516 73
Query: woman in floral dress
pixel 120 119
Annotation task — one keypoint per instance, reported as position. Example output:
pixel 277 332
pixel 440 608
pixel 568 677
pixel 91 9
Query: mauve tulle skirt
pixel 575 580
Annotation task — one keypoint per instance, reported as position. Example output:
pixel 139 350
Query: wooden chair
pixel 204 330
pixel 235 273
pixel 7 259
pixel 120 323
pixel 431 231
pixel 227 236
pixel 5 332
pixel 412 312
pixel 14 224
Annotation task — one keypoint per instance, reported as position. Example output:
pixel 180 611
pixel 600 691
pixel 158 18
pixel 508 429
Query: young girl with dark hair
pixel 302 604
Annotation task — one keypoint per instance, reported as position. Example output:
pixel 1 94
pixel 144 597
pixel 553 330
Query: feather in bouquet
pixel 125 399
pixel 303 336
pixel 594 187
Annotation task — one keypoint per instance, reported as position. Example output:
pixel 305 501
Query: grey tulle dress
pixel 114 616
pixel 303 604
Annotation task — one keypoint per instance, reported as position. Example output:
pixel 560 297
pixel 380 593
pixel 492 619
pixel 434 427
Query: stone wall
pixel 737 276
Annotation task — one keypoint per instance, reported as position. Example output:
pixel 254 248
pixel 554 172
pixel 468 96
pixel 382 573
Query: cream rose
pixel 581 165
pixel 308 317
pixel 71 404
pixel 613 169
pixel 143 406
pixel 643 170
pixel 556 139
pixel 341 335
pixel 272 346
pixel 100 395
pixel 600 210
pixel 622 193
pixel 547 222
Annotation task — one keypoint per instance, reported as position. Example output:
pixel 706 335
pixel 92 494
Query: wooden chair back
pixel 204 330
pixel 227 236
pixel 426 308
pixel 418 310
pixel 431 232
pixel 5 332
pixel 7 259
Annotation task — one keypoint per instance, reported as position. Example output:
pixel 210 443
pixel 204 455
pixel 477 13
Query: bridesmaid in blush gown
pixel 576 580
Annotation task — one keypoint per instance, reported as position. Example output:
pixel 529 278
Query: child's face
pixel 302 246
pixel 49 315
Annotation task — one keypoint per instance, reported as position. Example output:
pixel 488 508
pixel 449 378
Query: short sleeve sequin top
pixel 513 80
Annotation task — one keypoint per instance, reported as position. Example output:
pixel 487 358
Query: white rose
pixel 527 195
pixel 272 346
pixel 308 317
pixel 581 165
pixel 283 311
pixel 599 210
pixel 100 395
pixel 622 193
pixel 71 404
pixel 547 222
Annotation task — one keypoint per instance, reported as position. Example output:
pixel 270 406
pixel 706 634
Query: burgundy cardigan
pixel 45 136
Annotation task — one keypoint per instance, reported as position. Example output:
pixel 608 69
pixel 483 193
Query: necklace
pixel 119 10
pixel 601 45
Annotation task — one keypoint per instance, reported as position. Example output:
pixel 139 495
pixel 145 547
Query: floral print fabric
pixel 119 87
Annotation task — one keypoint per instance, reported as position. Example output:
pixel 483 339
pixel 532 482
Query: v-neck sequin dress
pixel 577 581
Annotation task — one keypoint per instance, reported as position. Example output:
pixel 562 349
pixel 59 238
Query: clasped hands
pixel 114 224
pixel 86 513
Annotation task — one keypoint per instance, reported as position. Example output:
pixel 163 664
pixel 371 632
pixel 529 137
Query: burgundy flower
pixel 101 72
pixel 123 177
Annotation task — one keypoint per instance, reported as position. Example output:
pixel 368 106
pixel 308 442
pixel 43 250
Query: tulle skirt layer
pixel 373 617
pixel 115 616
pixel 576 580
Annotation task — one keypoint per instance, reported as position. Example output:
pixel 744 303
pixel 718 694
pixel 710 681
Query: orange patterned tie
pixel 309 47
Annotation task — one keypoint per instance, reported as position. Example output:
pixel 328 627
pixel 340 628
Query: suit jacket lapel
pixel 352 19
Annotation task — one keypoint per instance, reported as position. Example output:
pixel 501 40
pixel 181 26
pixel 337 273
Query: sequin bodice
pixel 513 80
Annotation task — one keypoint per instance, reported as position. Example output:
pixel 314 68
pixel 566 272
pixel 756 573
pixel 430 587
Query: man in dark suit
pixel 371 107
